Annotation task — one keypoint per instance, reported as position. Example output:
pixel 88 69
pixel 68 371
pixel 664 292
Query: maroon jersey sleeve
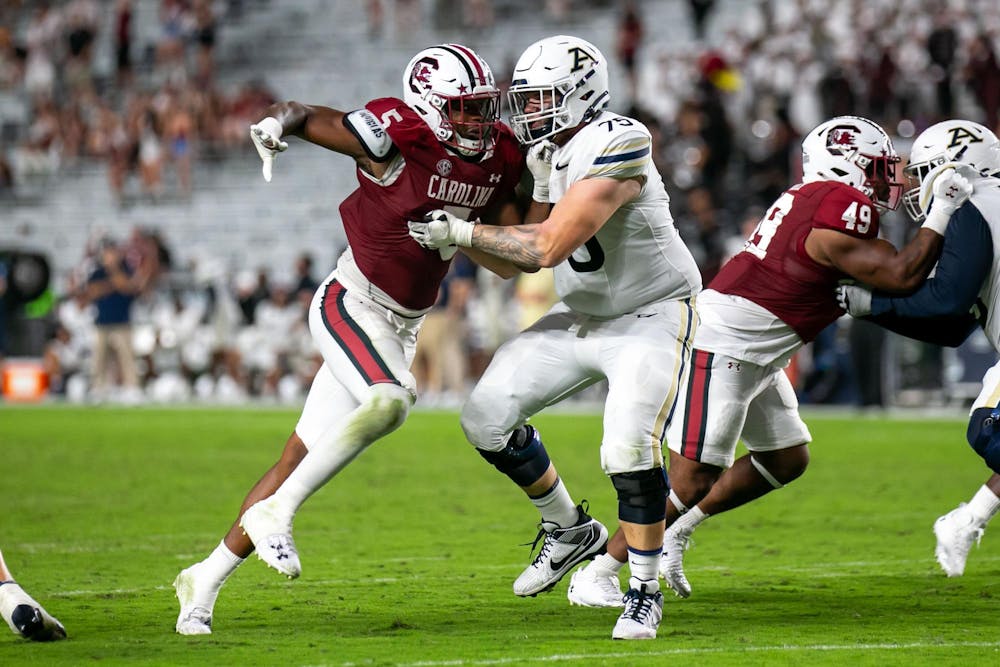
pixel 844 209
pixel 410 134
pixel 775 271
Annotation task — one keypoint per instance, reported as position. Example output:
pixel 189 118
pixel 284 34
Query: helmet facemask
pixel 471 121
pixel 886 191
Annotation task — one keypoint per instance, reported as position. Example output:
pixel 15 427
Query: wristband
pixel 937 220
pixel 462 232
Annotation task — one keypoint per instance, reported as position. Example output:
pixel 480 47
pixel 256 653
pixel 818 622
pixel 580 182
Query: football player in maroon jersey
pixel 25 617
pixel 440 147
pixel 765 303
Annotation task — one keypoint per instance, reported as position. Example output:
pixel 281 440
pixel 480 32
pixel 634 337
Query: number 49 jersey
pixel 637 257
pixel 774 271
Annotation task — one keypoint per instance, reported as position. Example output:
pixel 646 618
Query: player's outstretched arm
pixel 319 125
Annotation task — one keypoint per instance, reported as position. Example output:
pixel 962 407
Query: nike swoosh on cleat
pixel 583 546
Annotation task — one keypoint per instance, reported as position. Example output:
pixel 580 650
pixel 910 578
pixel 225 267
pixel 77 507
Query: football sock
pixel 556 506
pixel 689 520
pixel 984 504
pixel 213 572
pixel 608 562
pixel 644 565
pixel 676 502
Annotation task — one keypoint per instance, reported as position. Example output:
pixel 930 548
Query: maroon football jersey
pixel 775 272
pixel 375 215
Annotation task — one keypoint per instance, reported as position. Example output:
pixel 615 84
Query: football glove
pixel 539 162
pixel 266 137
pixel 949 190
pixel 855 300
pixel 440 229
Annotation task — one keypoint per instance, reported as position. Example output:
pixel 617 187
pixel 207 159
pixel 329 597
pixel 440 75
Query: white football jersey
pixel 986 198
pixel 637 257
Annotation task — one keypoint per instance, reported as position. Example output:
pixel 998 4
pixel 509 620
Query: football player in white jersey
pixel 626 283
pixel 963 292
pixel 25 617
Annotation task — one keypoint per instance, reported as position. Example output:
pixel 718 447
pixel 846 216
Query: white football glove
pixel 855 300
pixel 539 161
pixel 440 229
pixel 266 137
pixel 949 189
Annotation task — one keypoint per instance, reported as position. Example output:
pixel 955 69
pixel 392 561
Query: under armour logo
pixel 952 190
pixel 734 366
pixel 495 178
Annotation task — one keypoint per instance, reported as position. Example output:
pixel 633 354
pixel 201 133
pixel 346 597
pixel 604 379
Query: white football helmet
pixel 961 141
pixel 453 90
pixel 855 151
pixel 558 83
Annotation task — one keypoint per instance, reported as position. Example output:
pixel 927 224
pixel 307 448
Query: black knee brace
pixel 642 496
pixel 524 459
pixel 984 435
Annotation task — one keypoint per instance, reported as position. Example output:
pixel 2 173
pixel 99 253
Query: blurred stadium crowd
pixel 728 102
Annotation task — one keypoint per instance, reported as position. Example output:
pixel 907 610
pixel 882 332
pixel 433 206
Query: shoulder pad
pixel 374 139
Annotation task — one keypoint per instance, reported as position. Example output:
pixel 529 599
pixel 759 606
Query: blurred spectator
pixel 983 76
pixel 81 24
pixel 942 43
pixel 376 17
pixel 123 43
pixel 42 38
pixel 112 287
pixel 629 38
pixel 305 283
pixel 699 14
pixel 4 270
pixel 477 15
pixel 441 357
pixel 204 38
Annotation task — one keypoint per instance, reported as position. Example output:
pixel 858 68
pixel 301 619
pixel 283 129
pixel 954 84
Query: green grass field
pixel 409 554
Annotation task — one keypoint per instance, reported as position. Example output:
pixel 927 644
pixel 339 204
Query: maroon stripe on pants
pixel 352 338
pixel 696 415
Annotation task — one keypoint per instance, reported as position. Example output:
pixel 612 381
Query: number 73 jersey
pixel 637 257
pixel 774 271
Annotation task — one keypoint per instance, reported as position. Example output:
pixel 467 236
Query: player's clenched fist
pixel 440 229
pixel 266 137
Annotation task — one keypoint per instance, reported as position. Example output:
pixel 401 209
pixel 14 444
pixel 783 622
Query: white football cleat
pixel 194 618
pixel 26 617
pixel 643 611
pixel 675 544
pixel 270 529
pixel 562 550
pixel 593 586
pixel 956 531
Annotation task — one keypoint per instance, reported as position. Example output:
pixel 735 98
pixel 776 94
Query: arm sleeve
pixel 947 330
pixel 965 263
pixel 369 131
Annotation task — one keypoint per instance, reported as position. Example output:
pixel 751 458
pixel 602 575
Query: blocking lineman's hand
pixel 855 300
pixel 266 137
pixel 539 163
pixel 950 190
pixel 440 229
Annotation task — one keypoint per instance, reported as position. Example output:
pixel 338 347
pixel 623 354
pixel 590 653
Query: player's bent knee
pixel 523 459
pixel 385 409
pixel 487 419
pixel 781 467
pixel 642 495
pixel 984 436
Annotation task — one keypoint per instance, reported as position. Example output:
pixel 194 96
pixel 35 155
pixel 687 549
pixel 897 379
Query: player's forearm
pixel 521 244
pixel 905 271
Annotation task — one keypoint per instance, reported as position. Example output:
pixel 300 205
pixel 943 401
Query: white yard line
pixel 568 657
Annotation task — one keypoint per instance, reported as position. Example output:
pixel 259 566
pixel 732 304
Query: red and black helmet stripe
pixel 469 60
